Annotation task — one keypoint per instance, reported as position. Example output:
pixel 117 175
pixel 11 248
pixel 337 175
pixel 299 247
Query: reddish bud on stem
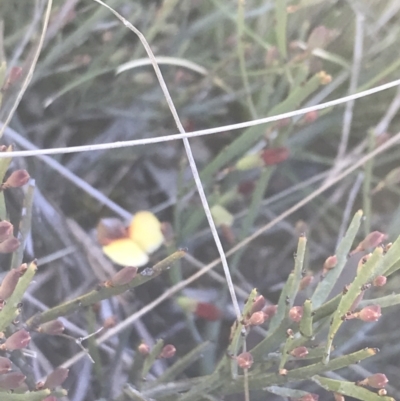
pixel 11 381
pixel 19 340
pixel 143 349
pixel 124 276
pixel 56 378
pixel 5 365
pixel 379 281
pixel 258 304
pixel 296 313
pixel 274 156
pixel 8 284
pixel 244 360
pixel 9 245
pixel 256 319
pixel 6 230
pixel 167 352
pixel 372 240
pixel 53 327
pixel 378 380
pixel 17 179
pixel 299 352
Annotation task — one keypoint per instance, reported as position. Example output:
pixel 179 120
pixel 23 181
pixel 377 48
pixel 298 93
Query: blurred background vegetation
pixel 224 62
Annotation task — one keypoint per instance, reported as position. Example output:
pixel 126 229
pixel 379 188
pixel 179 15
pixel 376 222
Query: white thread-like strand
pixel 209 131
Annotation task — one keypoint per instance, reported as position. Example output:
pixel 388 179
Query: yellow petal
pixel 126 253
pixel 145 230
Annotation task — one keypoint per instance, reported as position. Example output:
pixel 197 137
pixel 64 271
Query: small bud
pixel 329 264
pixel 379 281
pixel 256 319
pixel 54 327
pixel 305 282
pixel 283 372
pixel 20 339
pixel 124 276
pixel 208 311
pixel 258 304
pixel 270 310
pixel 143 349
pixel 167 352
pixel 244 360
pixel 370 313
pixel 5 365
pixel 372 240
pixel 324 78
pixel 22 269
pixel 296 313
pixel 299 352
pixel 8 284
pixel 17 179
pixel 56 378
pixel 382 392
pixel 274 156
pixel 6 230
pixel 9 245
pixel 378 380
pixel 12 380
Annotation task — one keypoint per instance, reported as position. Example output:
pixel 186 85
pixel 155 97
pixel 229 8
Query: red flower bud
pixel 53 327
pixel 6 230
pixel 244 360
pixel 258 304
pixel 208 311
pixel 5 365
pixel 143 349
pixel 370 313
pixel 11 381
pixel 299 352
pixel 372 240
pixel 167 352
pixel 274 156
pixel 305 282
pixel 329 264
pixel 9 245
pixel 296 313
pixel 378 380
pixel 56 378
pixel 8 284
pixel 124 276
pixel 379 281
pixel 20 339
pixel 256 319
pixel 17 179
